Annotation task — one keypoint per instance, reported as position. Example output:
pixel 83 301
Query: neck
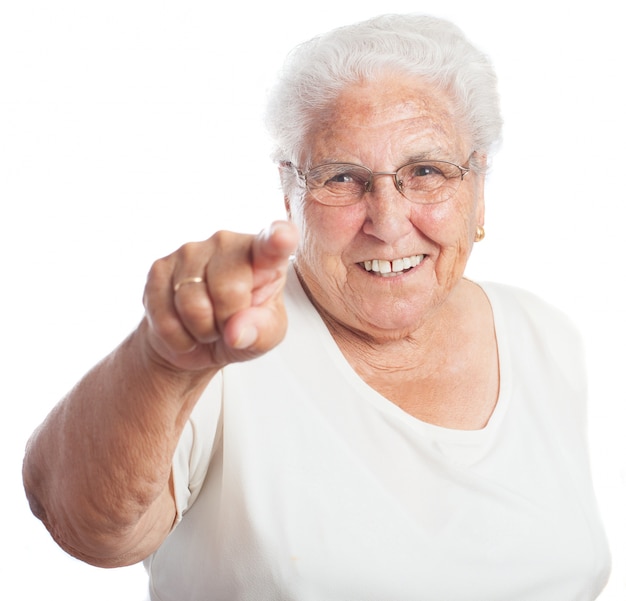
pixel 445 371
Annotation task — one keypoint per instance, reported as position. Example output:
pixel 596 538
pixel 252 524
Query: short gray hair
pixel 316 72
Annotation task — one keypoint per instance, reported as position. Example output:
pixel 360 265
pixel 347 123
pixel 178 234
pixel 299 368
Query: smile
pixel 390 268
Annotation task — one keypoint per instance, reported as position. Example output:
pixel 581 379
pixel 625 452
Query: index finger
pixel 271 250
pixel 273 246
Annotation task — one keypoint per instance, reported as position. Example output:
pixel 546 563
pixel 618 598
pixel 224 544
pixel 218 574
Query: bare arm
pixel 97 472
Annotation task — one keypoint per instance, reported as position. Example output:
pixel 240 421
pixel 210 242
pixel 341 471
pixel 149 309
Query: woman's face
pixel 383 125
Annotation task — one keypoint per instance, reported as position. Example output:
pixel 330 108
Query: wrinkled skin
pixel 423 338
pixel 383 125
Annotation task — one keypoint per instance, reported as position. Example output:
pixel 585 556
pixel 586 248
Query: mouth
pixel 385 268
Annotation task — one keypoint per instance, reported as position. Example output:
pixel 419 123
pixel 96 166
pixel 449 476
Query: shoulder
pixel 513 303
pixel 531 326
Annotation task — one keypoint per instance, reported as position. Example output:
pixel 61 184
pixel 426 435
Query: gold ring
pixel 185 281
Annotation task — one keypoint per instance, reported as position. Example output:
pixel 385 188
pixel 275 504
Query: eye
pixel 338 176
pixel 342 178
pixel 422 177
pixel 346 175
pixel 424 170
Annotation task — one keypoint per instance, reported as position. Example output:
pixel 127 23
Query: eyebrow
pixel 432 155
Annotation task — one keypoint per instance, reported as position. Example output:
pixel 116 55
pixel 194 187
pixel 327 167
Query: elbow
pixel 93 544
pixel 34 486
pixel 77 531
pixel 84 531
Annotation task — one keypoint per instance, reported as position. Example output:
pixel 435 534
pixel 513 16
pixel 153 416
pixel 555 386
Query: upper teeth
pixel 383 266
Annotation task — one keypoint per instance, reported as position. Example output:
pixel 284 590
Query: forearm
pixel 97 471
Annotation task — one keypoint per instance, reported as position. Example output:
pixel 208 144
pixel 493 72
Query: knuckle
pixel 230 288
pixel 223 238
pixel 167 329
pixel 197 316
pixel 190 250
pixel 193 311
pixel 230 296
pixel 159 272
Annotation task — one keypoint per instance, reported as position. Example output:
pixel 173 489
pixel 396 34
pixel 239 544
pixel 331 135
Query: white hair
pixel 316 72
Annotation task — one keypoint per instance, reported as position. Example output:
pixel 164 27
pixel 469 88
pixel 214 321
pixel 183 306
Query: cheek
pixel 329 229
pixel 449 225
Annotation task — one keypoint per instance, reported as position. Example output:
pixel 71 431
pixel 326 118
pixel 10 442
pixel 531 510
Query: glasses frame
pixel 463 171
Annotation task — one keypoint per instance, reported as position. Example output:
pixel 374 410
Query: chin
pixel 388 322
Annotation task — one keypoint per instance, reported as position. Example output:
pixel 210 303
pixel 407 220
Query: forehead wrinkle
pixel 409 118
pixel 338 145
pixel 393 95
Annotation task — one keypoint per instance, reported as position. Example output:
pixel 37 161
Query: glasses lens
pixel 338 184
pixel 429 181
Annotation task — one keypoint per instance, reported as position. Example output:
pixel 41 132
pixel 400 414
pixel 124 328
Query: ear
pixel 480 202
pixel 288 207
pixel 480 160
pixel 283 183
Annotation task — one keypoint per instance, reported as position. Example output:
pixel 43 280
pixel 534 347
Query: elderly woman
pixel 359 421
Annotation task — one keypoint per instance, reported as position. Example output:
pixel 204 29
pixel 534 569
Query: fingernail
pixel 247 337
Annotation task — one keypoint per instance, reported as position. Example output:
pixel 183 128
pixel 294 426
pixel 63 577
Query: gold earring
pixel 480 233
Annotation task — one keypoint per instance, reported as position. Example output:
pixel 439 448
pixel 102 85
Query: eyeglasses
pixel 343 184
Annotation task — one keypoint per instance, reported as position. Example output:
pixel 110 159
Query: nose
pixel 393 174
pixel 388 211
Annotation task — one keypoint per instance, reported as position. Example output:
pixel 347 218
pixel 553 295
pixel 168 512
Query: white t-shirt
pixel 297 481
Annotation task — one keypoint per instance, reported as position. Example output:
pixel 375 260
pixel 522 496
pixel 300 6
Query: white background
pixel 128 127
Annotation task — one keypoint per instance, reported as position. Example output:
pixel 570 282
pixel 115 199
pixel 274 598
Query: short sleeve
pixel 192 456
